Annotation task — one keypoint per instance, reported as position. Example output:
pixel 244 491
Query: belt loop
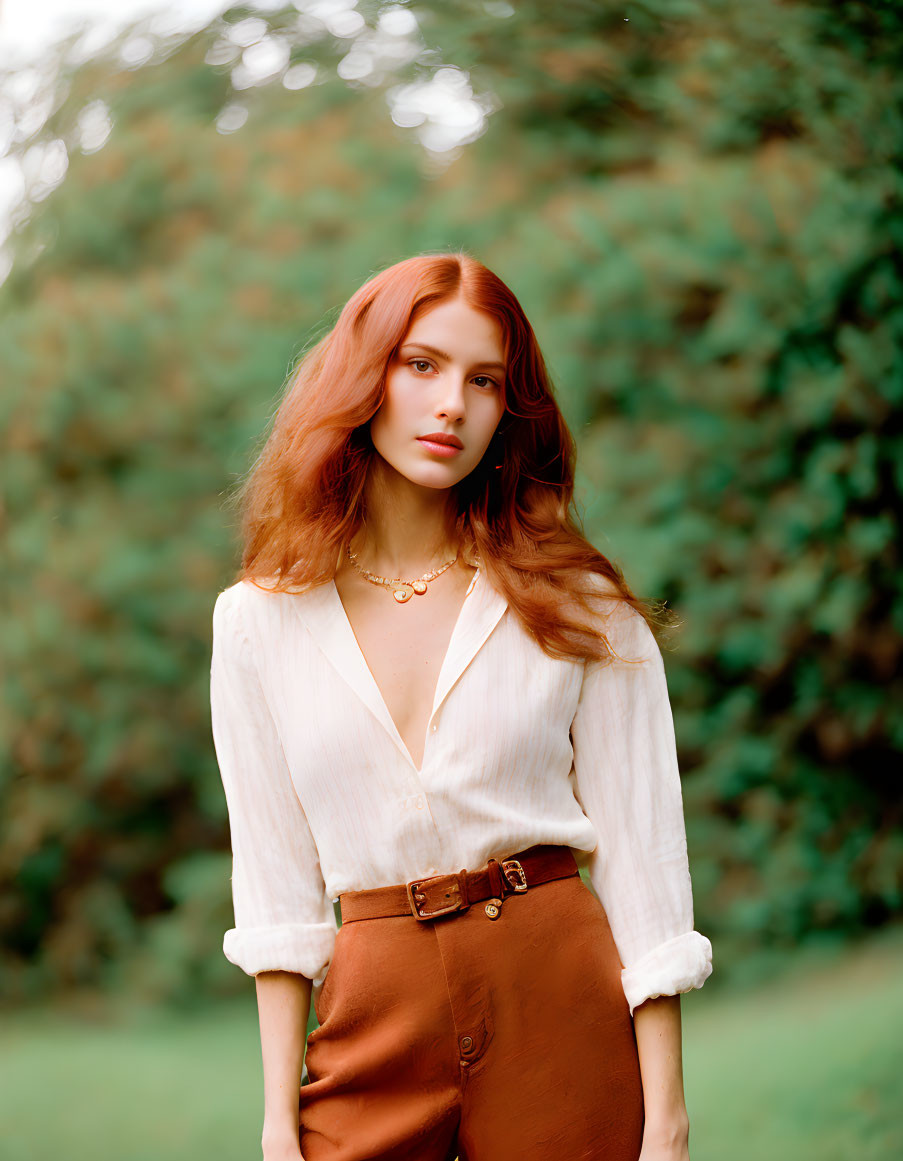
pixel 497 881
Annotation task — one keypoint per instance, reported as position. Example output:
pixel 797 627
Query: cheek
pixel 391 426
pixel 384 435
pixel 490 420
pixel 397 404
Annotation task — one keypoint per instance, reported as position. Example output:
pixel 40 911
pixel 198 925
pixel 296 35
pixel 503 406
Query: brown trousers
pixel 506 1039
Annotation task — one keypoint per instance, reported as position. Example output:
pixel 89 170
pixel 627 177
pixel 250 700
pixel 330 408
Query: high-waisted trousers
pixel 488 1039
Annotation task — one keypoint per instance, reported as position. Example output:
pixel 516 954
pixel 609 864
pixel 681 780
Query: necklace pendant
pixel 401 590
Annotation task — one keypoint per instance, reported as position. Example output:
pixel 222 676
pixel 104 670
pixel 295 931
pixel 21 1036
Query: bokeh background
pixel 699 206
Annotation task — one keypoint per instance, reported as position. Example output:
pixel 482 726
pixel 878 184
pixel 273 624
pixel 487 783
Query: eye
pixel 487 381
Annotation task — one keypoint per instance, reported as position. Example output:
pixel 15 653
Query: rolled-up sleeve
pixel 627 780
pixel 284 920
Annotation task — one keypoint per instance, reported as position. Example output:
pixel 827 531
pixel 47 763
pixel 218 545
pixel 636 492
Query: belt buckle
pixel 514 873
pixel 416 898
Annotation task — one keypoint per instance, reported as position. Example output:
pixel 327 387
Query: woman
pixel 431 700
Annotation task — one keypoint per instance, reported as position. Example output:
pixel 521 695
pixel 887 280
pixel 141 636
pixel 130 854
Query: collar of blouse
pixel 323 613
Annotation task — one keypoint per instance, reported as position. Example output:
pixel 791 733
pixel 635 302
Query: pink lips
pixel 441 444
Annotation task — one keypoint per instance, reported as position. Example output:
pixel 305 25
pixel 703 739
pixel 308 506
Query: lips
pixel 441 437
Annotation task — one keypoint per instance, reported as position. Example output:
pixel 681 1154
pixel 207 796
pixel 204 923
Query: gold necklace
pixel 401 590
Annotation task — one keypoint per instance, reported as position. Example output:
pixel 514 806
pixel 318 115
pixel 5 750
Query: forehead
pixel 458 328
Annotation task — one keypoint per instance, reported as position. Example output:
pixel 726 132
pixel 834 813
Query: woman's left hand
pixel 666 1144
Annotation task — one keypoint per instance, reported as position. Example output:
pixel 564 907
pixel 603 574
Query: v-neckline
pixel 378 693
pixel 322 612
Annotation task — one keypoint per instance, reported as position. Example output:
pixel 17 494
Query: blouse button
pixel 433 728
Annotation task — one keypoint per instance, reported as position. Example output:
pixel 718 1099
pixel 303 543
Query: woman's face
pixel 444 380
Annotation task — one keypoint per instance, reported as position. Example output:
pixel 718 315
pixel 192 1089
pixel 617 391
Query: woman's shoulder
pixel 625 628
pixel 602 593
pixel 253 590
pixel 251 624
pixel 247 605
pixel 265 612
pixel 599 584
pixel 241 594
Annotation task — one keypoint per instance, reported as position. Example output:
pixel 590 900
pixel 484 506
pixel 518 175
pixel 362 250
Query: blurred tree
pixel 699 206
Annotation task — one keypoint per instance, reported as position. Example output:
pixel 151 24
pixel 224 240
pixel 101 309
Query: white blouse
pixel 323 796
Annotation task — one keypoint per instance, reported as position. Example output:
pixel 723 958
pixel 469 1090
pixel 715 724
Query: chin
pixel 436 480
pixel 433 476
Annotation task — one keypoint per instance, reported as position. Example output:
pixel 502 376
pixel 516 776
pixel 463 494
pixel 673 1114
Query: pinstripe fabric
pixel 323 796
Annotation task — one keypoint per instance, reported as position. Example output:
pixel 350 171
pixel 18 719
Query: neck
pixel 408 530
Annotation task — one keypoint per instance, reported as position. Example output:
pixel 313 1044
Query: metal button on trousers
pixel 505 1039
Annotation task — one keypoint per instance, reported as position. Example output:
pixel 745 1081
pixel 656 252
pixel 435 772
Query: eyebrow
pixel 443 355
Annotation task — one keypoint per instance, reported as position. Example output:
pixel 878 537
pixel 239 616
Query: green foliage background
pixel 699 206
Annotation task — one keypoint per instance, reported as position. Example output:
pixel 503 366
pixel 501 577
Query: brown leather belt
pixel 443 894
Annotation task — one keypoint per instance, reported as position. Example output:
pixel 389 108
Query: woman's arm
pixel 283 1005
pixel 626 777
pixel 285 923
pixel 657 1026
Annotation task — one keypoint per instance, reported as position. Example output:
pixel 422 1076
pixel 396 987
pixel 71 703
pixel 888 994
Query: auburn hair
pixel 302 499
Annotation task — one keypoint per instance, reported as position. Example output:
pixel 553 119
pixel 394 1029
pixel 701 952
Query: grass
pixel 806 1068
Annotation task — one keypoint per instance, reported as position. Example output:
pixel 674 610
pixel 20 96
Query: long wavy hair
pixel 304 497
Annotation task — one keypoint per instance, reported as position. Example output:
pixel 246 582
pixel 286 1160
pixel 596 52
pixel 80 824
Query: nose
pixel 450 398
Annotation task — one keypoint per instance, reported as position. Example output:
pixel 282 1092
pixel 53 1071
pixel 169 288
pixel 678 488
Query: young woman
pixel 432 700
